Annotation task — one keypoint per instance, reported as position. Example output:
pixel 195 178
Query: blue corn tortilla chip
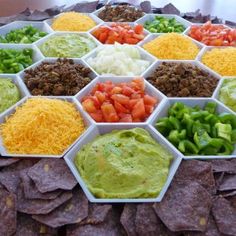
pixel 127 219
pixel 111 226
pixel 52 174
pixel 7 212
pixel 199 171
pixel 10 175
pixel 31 191
pixel 39 206
pixel 26 226
pixel 228 183
pixel 73 211
pixel 225 216
pixel 185 207
pixel 97 213
pixel 7 161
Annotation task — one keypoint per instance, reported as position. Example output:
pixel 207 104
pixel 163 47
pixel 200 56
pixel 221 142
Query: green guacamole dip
pixel 227 93
pixel 124 164
pixel 67 45
pixel 9 94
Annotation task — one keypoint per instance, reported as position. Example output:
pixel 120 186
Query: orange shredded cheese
pixel 172 46
pixel 73 21
pixel 221 60
pixel 42 126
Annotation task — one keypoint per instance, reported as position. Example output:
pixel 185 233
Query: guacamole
pixel 9 94
pixel 124 164
pixel 67 45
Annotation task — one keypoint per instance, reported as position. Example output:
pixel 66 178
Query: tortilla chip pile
pixel 41 197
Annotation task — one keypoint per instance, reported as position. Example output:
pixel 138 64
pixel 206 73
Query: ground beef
pixel 183 80
pixel 60 78
pixel 120 13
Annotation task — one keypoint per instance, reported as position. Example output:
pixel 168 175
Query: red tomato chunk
pixel 119 32
pixel 122 102
pixel 213 35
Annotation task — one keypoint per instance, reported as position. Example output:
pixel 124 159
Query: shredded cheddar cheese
pixel 73 21
pixel 221 60
pixel 172 46
pixel 42 126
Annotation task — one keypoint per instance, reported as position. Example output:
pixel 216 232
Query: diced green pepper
pixel 201 139
pixel 211 107
pixel 175 136
pixel 187 147
pixel 224 131
pixel 175 122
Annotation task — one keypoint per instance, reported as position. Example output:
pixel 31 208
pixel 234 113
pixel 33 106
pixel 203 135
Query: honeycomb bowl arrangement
pixel 93 128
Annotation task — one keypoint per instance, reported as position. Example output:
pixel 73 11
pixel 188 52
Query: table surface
pixel 225 9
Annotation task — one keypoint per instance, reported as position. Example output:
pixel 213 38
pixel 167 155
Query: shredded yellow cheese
pixel 73 21
pixel 172 46
pixel 221 60
pixel 42 126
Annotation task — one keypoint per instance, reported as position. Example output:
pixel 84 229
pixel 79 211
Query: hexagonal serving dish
pixel 216 94
pixel 17 81
pixel 93 74
pixel 69 158
pixel 151 17
pixel 37 56
pixel 144 55
pixel 86 118
pixel 193 62
pixel 201 102
pixel 20 24
pixel 151 37
pixel 94 17
pixel 150 90
pixel 132 24
pixel 56 33
pixel 186 32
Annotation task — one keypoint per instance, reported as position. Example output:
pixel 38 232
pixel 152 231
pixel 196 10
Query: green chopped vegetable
pixel 164 25
pixel 27 34
pixel 227 93
pixel 67 45
pixel 199 131
pixel 14 60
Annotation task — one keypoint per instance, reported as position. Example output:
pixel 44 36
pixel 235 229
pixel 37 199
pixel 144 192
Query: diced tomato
pixel 138 83
pixel 132 102
pixel 89 106
pixel 149 109
pixel 116 90
pixel 127 91
pixel 109 112
pixel 136 96
pixel 138 110
pixel 120 108
pixel 126 118
pixel 100 96
pixel 131 40
pixel 138 29
pixel 97 116
pixel 103 37
pixel 122 99
pixel 149 100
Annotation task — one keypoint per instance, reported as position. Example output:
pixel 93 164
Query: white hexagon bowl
pixel 59 33
pixel 86 118
pixel 94 17
pixel 92 75
pixel 17 81
pixel 151 17
pixel 132 24
pixel 69 158
pixel 151 37
pixel 20 24
pixel 201 102
pixel 192 62
pixel 186 32
pixel 149 89
pixel 218 88
pixel 37 56
pixel 144 55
